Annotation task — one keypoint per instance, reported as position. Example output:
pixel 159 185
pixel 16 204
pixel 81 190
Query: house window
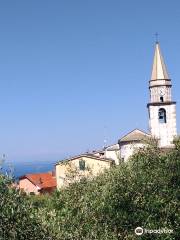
pixel 161 99
pixel 81 165
pixel 162 115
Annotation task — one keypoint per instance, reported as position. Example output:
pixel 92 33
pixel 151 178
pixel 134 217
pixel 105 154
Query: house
pixel 38 183
pixel 84 165
pixel 113 152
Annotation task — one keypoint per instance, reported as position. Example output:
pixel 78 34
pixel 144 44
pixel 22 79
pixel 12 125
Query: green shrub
pixel 143 192
pixel 18 219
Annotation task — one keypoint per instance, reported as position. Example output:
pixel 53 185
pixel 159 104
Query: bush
pixel 143 192
pixel 18 219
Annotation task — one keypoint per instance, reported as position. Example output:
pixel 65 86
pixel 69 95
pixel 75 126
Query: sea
pixel 18 169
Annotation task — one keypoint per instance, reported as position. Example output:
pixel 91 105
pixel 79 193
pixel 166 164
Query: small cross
pixel 156 35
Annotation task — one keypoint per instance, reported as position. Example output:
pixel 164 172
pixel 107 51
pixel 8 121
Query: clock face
pixel 162 92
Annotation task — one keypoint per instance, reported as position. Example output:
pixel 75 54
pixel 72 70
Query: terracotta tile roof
pixel 42 180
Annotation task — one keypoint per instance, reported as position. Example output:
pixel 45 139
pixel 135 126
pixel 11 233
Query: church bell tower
pixel 162 110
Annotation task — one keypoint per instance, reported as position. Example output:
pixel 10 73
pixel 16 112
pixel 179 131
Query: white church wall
pixel 128 149
pixel 113 154
pixel 165 132
pixel 155 94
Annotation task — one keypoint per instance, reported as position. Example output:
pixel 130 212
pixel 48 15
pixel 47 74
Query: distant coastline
pixel 18 169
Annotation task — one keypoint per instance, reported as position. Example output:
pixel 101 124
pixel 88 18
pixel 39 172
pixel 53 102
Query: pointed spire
pixel 159 70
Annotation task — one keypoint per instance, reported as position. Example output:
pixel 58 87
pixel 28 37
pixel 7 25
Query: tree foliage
pixel 18 218
pixel 142 192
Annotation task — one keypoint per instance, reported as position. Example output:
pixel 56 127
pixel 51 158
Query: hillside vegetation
pixel 143 192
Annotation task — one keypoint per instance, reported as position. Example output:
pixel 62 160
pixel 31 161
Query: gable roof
pixel 42 180
pixel 135 135
pixel 89 155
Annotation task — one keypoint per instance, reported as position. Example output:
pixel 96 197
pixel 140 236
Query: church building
pixel 162 114
pixel 162 126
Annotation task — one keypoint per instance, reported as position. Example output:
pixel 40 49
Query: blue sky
pixel 75 72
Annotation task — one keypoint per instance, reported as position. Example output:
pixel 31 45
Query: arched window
pixel 161 99
pixel 162 115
